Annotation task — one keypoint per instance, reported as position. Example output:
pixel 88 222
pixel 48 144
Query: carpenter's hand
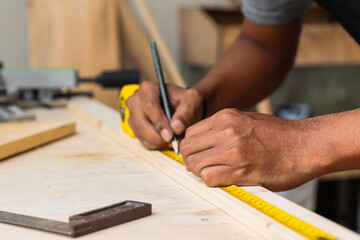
pixel 147 117
pixel 233 147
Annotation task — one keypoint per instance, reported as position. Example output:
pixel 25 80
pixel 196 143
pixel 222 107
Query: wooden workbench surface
pixel 89 170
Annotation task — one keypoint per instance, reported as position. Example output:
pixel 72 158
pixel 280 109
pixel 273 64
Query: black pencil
pixel 163 92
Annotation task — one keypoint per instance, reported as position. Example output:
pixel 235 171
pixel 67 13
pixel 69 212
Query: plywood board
pixel 107 121
pixel 17 137
pixel 81 34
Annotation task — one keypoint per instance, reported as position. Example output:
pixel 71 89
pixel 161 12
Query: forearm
pixel 252 68
pixel 335 142
pixel 246 74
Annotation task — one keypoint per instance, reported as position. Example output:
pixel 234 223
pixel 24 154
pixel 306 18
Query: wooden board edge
pixel 36 140
pixel 248 216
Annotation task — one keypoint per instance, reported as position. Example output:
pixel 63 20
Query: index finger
pixel 200 127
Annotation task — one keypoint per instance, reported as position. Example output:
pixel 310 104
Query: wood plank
pixel 106 121
pixel 17 137
pixel 167 59
pixel 199 48
pixel 322 41
pixel 322 44
pixel 81 34
pixel 90 170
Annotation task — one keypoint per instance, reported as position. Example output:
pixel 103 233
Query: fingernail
pixel 166 135
pixel 177 126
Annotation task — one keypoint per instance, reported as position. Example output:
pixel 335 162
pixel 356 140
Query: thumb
pixel 179 122
pixel 184 115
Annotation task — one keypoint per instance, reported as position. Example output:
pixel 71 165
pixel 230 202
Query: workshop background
pixel 94 37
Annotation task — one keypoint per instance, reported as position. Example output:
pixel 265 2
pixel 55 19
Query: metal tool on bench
pixel 44 86
pixel 83 223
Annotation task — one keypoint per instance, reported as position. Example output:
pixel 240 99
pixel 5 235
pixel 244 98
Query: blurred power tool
pixel 46 85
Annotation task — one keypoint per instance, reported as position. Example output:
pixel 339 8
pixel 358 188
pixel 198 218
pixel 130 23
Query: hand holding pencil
pixel 163 92
pixel 148 118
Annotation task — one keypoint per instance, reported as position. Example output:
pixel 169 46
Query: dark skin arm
pixel 234 147
pixel 250 70
pixel 253 67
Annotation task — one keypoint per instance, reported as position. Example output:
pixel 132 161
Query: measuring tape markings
pixel 303 228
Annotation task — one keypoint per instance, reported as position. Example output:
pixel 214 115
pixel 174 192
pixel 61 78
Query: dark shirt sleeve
pixel 274 12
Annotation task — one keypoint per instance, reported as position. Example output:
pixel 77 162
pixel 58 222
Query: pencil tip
pixel 175 145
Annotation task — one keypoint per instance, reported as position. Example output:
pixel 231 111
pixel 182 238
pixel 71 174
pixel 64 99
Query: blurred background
pixel 94 36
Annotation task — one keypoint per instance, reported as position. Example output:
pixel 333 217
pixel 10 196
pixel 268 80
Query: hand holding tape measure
pixel 153 128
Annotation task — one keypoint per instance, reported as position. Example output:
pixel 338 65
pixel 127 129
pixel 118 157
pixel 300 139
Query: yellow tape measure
pixel 290 221
pixel 126 92
pixel 303 228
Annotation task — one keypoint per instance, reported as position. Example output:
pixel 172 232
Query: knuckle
pixel 188 131
pixel 193 166
pixel 189 116
pixel 190 164
pixel 230 131
pixel 228 113
pixel 223 116
pixel 154 144
pixel 148 106
pixel 133 122
pixel 209 179
pixel 184 148
pixel 192 92
pixel 130 101
pixel 171 87
pixel 146 85
pixel 159 126
pixel 147 145
pixel 236 151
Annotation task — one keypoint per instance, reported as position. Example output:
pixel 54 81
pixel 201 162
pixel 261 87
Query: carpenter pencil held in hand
pixel 163 92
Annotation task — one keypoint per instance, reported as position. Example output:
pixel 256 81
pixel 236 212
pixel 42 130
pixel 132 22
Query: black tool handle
pixel 115 79
pixel 118 79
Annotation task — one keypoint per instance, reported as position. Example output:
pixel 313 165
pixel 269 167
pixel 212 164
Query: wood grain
pixel 75 33
pixel 89 170
pixel 82 34
pixel 106 119
pixel 17 137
